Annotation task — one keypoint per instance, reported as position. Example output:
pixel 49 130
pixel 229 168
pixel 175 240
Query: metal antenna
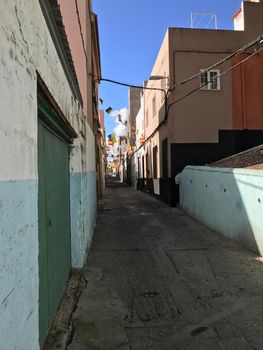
pixel 198 17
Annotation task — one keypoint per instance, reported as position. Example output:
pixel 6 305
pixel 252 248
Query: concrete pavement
pixel 158 280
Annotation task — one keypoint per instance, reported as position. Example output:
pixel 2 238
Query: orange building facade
pixel 247 80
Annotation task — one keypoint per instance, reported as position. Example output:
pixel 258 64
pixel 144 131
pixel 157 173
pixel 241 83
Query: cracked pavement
pixel 157 279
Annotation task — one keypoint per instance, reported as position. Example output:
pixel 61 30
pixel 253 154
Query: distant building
pixel 134 104
pixel 221 118
pixel 138 157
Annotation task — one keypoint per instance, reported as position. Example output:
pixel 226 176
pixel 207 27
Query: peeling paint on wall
pixel 27 49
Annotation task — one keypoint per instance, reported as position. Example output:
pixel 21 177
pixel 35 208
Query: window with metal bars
pixel 210 80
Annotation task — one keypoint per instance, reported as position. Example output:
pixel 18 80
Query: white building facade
pixel 47 175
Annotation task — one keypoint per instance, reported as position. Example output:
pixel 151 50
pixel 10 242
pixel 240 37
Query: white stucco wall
pixel 139 133
pixel 83 194
pixel 140 123
pixel 239 20
pixel 26 48
pixel 229 201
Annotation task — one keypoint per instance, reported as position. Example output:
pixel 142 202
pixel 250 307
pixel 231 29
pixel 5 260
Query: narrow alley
pixel 158 280
pixel 131 177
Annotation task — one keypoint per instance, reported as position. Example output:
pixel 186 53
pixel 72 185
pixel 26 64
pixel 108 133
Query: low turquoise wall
pixel 83 214
pixel 229 201
pixel 19 265
pixel 19 280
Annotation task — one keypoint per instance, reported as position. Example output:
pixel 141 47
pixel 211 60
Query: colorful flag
pixel 109 110
pixel 114 140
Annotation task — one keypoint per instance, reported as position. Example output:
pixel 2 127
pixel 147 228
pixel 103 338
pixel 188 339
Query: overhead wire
pixel 259 39
pixel 215 78
pixel 195 90
pixel 218 63
pixel 192 77
pixel 131 85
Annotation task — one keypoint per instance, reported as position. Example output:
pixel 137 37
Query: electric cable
pixel 192 92
pixel 131 85
pixel 80 28
pixel 218 63
pixel 218 76
pixel 259 39
pixel 192 77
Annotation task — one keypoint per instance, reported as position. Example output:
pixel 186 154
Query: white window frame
pixel 209 85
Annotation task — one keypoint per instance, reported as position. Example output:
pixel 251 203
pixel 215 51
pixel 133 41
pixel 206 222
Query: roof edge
pixel 53 17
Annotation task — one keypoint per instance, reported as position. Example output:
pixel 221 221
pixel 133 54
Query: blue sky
pixel 131 33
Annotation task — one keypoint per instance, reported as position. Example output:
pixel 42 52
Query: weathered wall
pixel 202 48
pixel 19 265
pixel 190 120
pixel 83 195
pixel 227 200
pixel 79 50
pixel 70 19
pixel 198 117
pixel 26 48
pixel 247 98
pixel 83 67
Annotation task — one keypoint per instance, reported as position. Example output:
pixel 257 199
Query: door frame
pixel 50 120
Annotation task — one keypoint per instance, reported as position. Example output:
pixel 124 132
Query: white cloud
pixel 121 130
pixel 123 112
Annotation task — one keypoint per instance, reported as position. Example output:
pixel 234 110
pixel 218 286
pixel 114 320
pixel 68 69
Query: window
pixel 147 165
pixel 210 80
pixel 154 105
pixel 155 151
pixel 146 118
pixel 165 158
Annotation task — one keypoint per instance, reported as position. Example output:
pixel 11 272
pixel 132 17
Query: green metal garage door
pixel 54 223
